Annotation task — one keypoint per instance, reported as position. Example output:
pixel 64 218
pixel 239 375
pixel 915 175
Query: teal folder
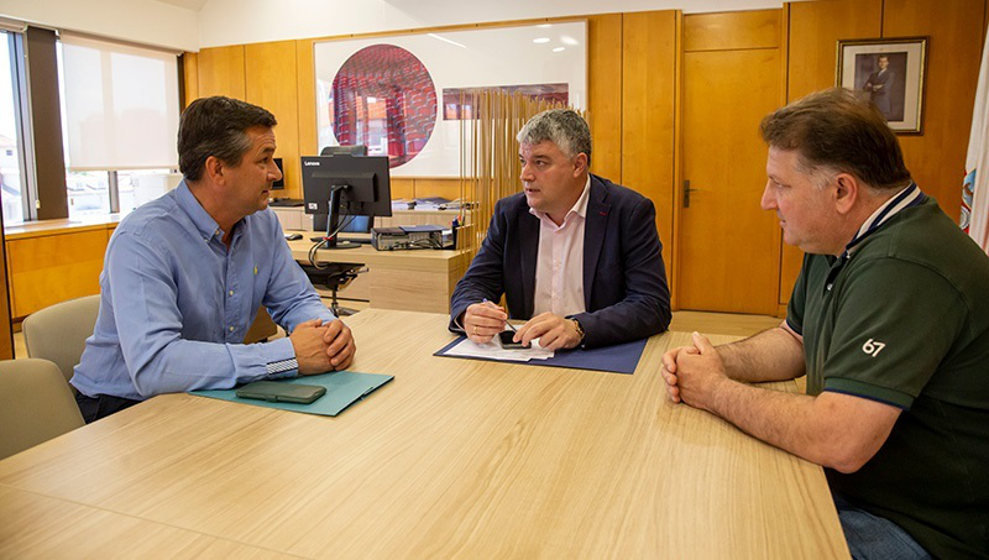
pixel 343 388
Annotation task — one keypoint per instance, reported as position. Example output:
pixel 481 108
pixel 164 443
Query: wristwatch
pixel 580 330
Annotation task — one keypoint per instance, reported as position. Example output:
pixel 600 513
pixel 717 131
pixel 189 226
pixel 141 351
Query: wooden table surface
pixel 453 458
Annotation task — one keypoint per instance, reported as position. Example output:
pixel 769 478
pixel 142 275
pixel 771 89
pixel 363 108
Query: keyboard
pixel 286 202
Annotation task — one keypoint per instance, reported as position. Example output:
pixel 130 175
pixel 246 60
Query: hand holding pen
pixel 482 321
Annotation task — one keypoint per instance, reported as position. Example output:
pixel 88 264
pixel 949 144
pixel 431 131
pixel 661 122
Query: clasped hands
pixel 482 321
pixel 693 373
pixel 322 347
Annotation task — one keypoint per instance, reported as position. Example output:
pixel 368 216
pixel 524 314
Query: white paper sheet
pixel 493 350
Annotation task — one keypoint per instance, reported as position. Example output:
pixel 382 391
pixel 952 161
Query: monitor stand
pixel 331 241
pixel 329 244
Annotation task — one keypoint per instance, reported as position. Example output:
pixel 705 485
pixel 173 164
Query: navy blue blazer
pixel 625 290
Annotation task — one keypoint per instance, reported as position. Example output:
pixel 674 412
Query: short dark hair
pixel 834 128
pixel 563 127
pixel 217 126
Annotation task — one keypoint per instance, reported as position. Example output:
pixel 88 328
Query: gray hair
pixel 563 127
pixel 217 126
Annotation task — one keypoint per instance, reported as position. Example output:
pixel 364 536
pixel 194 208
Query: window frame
pixel 37 72
pixel 22 122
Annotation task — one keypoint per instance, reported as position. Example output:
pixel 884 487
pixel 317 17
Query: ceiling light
pixel 445 40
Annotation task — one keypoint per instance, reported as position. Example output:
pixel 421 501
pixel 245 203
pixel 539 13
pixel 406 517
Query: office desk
pixel 54 260
pixel 407 280
pixel 454 458
pixel 295 218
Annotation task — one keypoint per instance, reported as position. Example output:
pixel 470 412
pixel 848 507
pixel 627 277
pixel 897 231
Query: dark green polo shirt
pixel 904 320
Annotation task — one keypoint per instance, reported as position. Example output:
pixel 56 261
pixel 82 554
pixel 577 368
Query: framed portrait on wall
pixel 891 74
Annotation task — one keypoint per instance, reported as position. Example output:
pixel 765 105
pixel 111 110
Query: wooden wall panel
pixel 425 187
pixel 306 80
pixel 270 81
pixel 936 158
pixel 757 29
pixel 604 78
pixel 429 187
pixel 672 249
pixel 402 187
pixel 190 78
pixel 221 71
pixel 649 57
pixel 815 28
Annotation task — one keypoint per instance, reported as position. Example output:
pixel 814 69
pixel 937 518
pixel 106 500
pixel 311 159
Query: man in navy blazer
pixel 577 251
pixel 879 84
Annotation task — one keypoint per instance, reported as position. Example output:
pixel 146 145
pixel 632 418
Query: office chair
pixel 58 332
pixel 35 404
pixel 261 329
pixel 333 277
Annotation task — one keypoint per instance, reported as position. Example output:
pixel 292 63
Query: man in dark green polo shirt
pixel 889 319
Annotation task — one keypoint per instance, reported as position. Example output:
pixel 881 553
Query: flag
pixel 975 189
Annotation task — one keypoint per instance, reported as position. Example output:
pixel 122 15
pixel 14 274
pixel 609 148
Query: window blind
pixel 121 105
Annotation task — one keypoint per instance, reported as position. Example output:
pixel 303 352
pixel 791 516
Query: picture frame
pixel 555 55
pixel 890 72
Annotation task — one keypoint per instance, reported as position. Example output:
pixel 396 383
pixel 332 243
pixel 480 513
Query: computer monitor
pixel 356 150
pixel 279 184
pixel 345 185
pixel 319 220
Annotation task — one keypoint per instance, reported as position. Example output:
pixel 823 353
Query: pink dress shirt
pixel 560 261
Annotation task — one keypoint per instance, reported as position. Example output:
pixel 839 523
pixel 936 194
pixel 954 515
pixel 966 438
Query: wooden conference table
pixel 454 458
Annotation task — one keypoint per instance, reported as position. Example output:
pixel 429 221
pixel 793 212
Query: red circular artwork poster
pixel 384 98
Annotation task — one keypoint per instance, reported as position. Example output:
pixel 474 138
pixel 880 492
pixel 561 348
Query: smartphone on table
pixel 279 391
pixel 507 341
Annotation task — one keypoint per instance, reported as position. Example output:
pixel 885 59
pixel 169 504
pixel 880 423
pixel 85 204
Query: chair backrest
pixel 261 329
pixel 58 333
pixel 35 404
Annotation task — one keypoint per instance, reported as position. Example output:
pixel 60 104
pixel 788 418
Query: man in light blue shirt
pixel 184 275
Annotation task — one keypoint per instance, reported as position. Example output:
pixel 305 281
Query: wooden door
pixel 648 73
pixel 728 245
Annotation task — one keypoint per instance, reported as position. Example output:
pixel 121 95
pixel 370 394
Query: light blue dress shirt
pixel 176 303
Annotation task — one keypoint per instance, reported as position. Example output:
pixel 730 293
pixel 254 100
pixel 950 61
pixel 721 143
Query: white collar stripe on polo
pixel 909 196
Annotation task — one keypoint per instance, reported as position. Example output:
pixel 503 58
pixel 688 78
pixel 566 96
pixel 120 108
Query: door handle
pixel 686 193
